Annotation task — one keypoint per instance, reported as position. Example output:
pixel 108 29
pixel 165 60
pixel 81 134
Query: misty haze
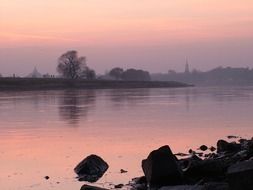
pixel 131 95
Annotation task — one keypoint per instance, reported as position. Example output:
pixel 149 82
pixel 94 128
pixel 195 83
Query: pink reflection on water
pixel 122 127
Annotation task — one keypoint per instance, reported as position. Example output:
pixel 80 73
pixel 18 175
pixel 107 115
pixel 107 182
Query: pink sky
pixel 164 33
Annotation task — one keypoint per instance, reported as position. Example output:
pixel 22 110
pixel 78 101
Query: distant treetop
pixel 129 74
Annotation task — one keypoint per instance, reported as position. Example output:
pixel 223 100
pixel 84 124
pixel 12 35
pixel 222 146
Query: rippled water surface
pixel 46 133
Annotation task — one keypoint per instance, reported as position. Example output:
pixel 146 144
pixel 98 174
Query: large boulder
pixel 224 146
pixel 240 175
pixel 91 168
pixel 207 168
pixel 161 168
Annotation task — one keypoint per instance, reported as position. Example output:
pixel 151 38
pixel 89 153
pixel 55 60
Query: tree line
pixel 129 74
pixel 70 65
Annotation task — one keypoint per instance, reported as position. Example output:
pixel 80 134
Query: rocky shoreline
pixel 226 166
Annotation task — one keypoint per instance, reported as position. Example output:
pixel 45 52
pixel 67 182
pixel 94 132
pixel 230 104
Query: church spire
pixel 187 70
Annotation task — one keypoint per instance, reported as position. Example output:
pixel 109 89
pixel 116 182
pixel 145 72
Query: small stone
pixel 46 177
pixel 232 137
pixel 123 171
pixel 203 147
pixel 119 186
pixel 212 148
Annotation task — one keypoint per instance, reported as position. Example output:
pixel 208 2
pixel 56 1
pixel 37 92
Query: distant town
pixel 214 77
pixel 217 76
pixel 71 66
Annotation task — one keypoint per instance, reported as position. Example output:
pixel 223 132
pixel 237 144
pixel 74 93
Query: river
pixel 46 133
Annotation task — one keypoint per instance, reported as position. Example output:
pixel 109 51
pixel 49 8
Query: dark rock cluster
pixel 228 166
pixel 231 168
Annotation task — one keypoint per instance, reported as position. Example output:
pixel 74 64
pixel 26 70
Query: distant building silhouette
pixel 217 76
pixel 35 74
pixel 48 76
pixel 187 69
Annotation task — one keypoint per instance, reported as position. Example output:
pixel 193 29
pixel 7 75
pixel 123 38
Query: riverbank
pixel 59 83
pixel 226 166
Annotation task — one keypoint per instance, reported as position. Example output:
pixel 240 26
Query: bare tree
pixel 72 66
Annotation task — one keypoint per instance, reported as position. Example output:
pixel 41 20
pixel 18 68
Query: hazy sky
pixel 155 35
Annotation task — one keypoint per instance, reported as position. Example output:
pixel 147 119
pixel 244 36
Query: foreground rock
pixel 161 168
pixel 224 146
pixel 182 187
pixel 216 186
pixel 209 168
pixel 240 175
pixel 138 183
pixel 89 187
pixel 91 168
pixel 208 186
pixel 230 168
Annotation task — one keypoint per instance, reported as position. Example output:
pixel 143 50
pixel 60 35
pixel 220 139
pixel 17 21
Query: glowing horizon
pixel 183 27
pixel 110 22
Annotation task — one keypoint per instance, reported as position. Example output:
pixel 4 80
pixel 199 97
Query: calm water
pixel 49 132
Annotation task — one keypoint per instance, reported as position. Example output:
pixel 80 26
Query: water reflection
pixel 122 126
pixel 129 95
pixel 74 105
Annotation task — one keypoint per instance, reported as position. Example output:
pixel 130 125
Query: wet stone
pixel 203 147
pixel 91 168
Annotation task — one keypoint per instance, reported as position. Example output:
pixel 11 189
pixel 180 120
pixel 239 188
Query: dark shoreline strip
pixel 58 83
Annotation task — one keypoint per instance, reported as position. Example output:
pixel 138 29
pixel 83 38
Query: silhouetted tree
pixel 72 66
pixel 116 73
pixel 136 75
pixel 89 74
